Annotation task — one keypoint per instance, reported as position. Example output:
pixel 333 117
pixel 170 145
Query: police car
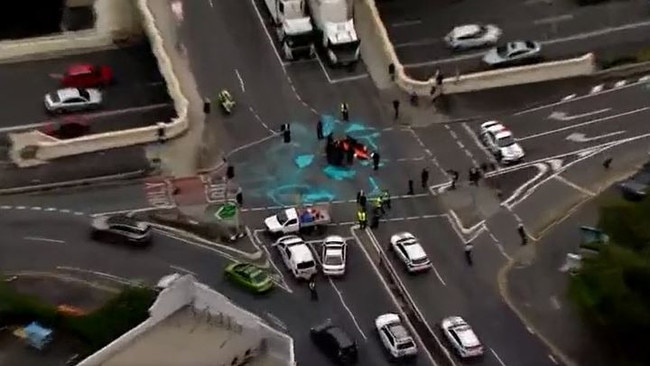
pixel 501 143
pixel 462 337
pixel 410 252
pixel 394 336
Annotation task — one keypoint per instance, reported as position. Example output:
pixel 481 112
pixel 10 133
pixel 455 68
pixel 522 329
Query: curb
pixel 73 183
pixel 250 256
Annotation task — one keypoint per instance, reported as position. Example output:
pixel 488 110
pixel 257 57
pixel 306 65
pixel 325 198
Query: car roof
pixel 488 124
pixel 495 128
pixel 77 69
pixel 68 93
pixel 399 332
pixel 466 30
pixel 414 250
pixel 249 269
pixel 466 335
pixel 342 338
pixel 502 134
pixel 125 220
pixel 301 253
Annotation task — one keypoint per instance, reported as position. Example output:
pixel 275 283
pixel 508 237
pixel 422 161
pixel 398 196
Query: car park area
pixel 136 97
pixel 417 29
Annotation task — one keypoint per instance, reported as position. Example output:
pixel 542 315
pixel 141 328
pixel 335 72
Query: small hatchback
pixel 121 229
pixel 335 343
pixel 87 76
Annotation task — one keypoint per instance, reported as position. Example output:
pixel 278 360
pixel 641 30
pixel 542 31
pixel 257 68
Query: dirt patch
pixel 59 291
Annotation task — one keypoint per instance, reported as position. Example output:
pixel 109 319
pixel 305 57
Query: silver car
pixel 473 35
pixel 73 100
pixel 514 53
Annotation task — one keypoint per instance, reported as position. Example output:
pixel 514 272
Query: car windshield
pixel 84 93
pixel 282 218
pixel 406 345
pixel 257 276
pixel 333 260
pixel 502 51
pixel 303 39
pixel 422 260
pixel 529 45
pixel 305 265
pixel 55 97
pixel 506 141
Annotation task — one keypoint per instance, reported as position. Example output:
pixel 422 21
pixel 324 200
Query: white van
pixel 297 256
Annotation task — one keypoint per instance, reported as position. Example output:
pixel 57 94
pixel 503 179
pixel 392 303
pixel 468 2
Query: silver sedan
pixel 73 100
pixel 514 53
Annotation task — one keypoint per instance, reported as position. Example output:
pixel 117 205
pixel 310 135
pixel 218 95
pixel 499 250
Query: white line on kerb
pixel 497 357
pixel 36 238
pixel 241 81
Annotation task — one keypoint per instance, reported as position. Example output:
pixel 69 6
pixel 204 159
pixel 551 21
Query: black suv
pixel 335 343
pixel 121 229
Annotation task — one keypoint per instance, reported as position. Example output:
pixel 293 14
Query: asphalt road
pixel 417 28
pixel 61 240
pixel 138 86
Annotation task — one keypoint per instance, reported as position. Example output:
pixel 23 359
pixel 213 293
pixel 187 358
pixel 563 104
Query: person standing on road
pixel 375 161
pixel 361 217
pixel 454 178
pixel 522 234
pixel 362 200
pixel 376 214
pixel 385 199
pixel 312 288
pixel 396 108
pixel 424 175
pixel 345 112
pixel 349 155
pixel 411 190
pixel 468 253
pixel 319 130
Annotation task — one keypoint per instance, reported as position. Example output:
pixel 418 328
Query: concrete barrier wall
pixel 47 148
pixel 373 31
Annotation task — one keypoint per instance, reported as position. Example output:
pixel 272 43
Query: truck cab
pixel 336 32
pixel 285 221
pixel 293 28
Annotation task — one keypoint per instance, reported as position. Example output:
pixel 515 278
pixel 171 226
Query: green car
pixel 249 276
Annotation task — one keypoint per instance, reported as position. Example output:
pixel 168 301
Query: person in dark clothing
pixel 376 215
pixel 468 253
pixel 522 234
pixel 361 199
pixel 454 178
pixel 319 130
pixel 396 108
pixel 312 288
pixel 345 112
pixel 424 175
pixel 411 190
pixel 375 161
pixel 349 155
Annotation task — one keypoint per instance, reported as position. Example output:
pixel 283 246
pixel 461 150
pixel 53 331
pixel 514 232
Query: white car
pixel 297 256
pixel 473 36
pixel 462 337
pixel 73 100
pixel 334 256
pixel 394 336
pixel 410 252
pixel 501 143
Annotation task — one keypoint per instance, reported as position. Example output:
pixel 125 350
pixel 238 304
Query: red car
pixel 87 76
pixel 361 151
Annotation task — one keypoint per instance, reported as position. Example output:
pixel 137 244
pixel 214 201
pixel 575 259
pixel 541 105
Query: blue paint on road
pixel 303 161
pixel 339 173
pixel 374 186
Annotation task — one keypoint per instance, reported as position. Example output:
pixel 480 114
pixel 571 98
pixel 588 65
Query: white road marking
pixel 574 186
pixel 575 37
pixel 581 137
pixel 497 357
pixel 555 19
pixel 563 116
pixel 275 320
pixel 20 207
pixel 541 170
pixel 50 209
pixel 497 243
pixel 555 164
pixel 268 35
pixel 349 78
pixel 597 89
pixel 211 3
pixel 406 23
pixel 553 359
pixel 48 240
pixel 568 97
pixel 555 303
pixel 419 43
pixel 109 276
pixel 120 212
pixel 620 84
pixel 181 269
pixel 322 67
pixel 5 207
pixel 347 308
pixel 545 133
pixel 241 81
pixel 644 79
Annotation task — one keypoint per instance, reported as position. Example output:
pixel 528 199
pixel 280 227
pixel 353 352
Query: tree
pixel 612 290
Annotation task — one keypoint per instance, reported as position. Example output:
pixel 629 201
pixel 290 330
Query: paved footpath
pixel 538 290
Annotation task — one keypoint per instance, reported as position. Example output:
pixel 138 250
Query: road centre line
pixel 48 240
pixel 241 81
pixel 545 133
pixel 554 19
pixel 575 37
pixel 497 357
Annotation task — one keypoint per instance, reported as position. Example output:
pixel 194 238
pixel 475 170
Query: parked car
pixel 410 252
pixel 462 337
pixel 473 36
pixel 121 229
pixel 514 53
pixel 501 143
pixel 395 337
pixel 87 76
pixel 635 188
pixel 334 256
pixel 73 100
pixel 249 276
pixel 335 343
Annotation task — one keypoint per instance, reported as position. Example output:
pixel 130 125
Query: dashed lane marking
pixel 38 208
pixel 336 202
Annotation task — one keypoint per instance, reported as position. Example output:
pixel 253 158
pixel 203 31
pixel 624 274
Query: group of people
pixel 380 204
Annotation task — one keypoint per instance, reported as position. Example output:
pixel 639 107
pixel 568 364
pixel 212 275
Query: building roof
pixel 186 338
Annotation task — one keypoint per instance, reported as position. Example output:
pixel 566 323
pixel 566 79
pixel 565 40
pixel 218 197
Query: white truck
pixel 292 27
pixel 296 219
pixel 335 31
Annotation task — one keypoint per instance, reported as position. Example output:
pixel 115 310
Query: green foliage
pixel 612 290
pixel 97 329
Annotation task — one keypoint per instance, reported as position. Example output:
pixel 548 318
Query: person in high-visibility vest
pixel 362 219
pixel 345 112
pixel 379 204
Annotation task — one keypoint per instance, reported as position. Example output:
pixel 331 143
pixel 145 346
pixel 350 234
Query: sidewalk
pixel 538 290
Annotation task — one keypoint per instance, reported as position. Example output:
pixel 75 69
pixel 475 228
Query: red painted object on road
pixel 87 76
